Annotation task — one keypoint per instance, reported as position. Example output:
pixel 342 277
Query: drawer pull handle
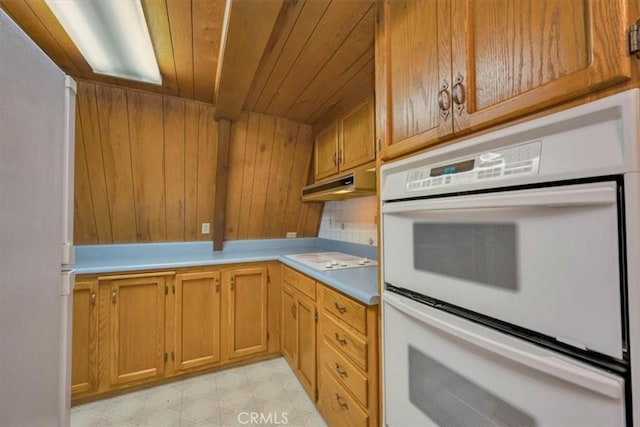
pixel 341 402
pixel 93 298
pixel 217 285
pixel 341 372
pixel 341 341
pixel 341 308
pixel 113 296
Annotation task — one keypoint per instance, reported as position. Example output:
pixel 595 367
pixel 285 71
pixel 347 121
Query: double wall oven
pixel 510 266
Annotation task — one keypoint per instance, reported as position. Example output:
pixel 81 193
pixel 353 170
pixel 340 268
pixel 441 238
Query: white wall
pixel 351 221
pixel 31 150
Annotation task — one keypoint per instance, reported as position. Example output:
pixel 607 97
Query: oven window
pixel 482 253
pixel 450 399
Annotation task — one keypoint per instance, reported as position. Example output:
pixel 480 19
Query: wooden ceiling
pixel 318 58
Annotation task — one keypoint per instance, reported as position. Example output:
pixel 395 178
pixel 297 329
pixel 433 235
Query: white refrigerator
pixel 37 124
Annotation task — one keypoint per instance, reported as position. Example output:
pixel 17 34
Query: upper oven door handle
pixel 549 365
pixel 572 195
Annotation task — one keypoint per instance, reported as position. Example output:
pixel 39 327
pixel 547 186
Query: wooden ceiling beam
pixel 246 31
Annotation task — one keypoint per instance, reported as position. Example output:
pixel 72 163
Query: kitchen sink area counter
pixel 360 283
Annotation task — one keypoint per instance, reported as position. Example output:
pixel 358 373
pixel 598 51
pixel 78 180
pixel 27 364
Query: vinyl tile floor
pixel 265 393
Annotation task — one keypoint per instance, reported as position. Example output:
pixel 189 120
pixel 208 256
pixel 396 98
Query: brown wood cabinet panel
pixel 326 152
pixel 449 67
pixel 289 328
pixel 337 405
pixel 347 374
pixel 416 51
pixel 350 344
pixel 511 57
pixel 299 281
pixel 84 351
pixel 357 145
pixel 137 329
pixel 247 307
pixel 197 319
pixel 306 366
pixel 349 311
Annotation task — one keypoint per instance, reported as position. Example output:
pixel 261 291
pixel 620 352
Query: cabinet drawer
pixel 345 309
pixel 347 374
pixel 299 281
pixel 337 405
pixel 348 343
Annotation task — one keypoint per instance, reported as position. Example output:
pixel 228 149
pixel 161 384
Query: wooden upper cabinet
pixel 447 67
pixel 514 57
pixel 137 328
pixel 84 352
pixel 348 142
pixel 413 66
pixel 197 319
pixel 326 152
pixel 357 144
pixel 247 310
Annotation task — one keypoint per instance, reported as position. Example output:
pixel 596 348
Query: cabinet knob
pixel 341 402
pixel 335 159
pixel 341 308
pixel 293 310
pixel 444 100
pixel 233 282
pixel 341 372
pixel 459 95
pixel 217 285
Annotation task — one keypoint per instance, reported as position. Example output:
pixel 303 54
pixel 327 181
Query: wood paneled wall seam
pixel 145 166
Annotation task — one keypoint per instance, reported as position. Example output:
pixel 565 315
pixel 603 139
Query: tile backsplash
pixel 351 221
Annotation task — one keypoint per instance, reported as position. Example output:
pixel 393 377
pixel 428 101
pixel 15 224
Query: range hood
pixel 354 184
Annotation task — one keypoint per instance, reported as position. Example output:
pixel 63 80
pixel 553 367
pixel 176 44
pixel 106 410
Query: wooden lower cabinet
pixel 299 320
pixel 348 360
pixel 132 329
pixel 84 352
pixel 136 320
pixel 247 310
pixel 197 323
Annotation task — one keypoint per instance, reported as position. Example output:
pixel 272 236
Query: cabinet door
pixel 197 319
pixel 289 326
pixel 514 57
pixel 84 347
pixel 137 329
pixel 326 152
pixel 306 369
pixel 413 68
pixel 247 311
pixel 356 137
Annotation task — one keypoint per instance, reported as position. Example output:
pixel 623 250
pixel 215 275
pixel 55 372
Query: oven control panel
pixel 510 162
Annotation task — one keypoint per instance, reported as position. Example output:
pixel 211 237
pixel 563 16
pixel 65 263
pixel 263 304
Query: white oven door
pixel 544 259
pixel 442 370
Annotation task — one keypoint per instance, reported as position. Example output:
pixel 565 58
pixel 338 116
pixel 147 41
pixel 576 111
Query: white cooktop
pixel 331 260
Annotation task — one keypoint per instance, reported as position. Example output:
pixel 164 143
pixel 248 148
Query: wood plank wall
pixel 145 170
pixel 269 163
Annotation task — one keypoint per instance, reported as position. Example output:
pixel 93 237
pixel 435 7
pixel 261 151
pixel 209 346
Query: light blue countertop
pixel 360 283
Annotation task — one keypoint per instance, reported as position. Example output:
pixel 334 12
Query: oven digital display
pixel 465 166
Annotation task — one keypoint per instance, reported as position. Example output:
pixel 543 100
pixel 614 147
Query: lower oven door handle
pixel 575 195
pixel 549 365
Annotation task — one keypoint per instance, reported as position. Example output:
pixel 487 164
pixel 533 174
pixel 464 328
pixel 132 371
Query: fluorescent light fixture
pixel 112 35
